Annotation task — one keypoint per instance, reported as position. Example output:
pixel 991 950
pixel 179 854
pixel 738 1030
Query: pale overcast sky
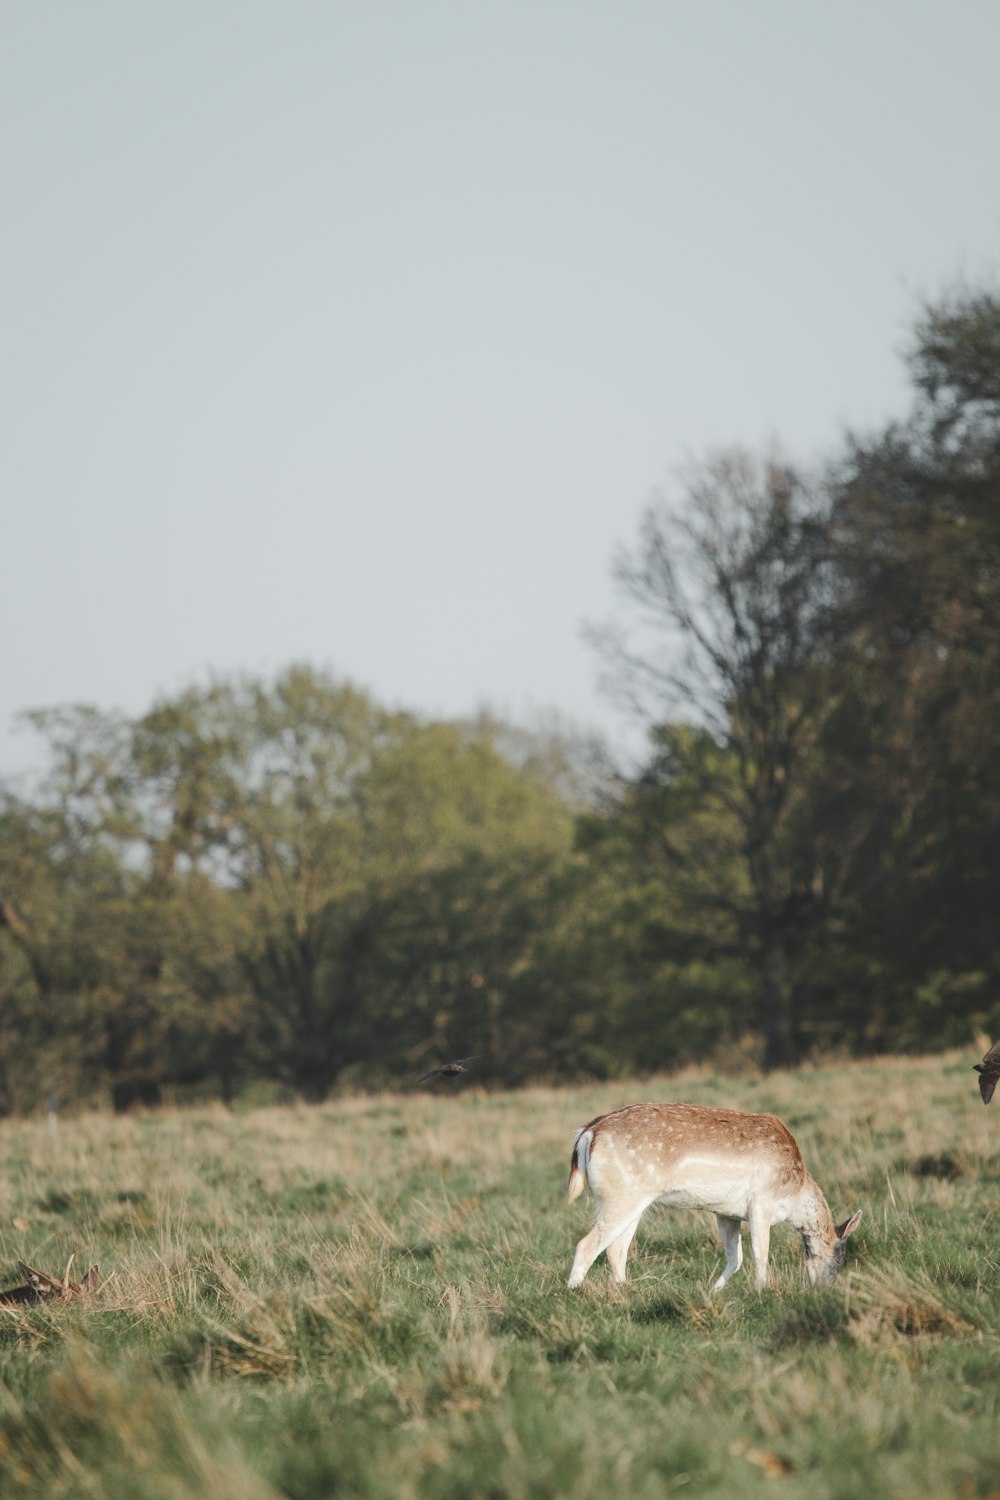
pixel 362 333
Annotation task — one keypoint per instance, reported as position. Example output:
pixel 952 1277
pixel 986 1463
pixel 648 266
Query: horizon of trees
pixel 280 885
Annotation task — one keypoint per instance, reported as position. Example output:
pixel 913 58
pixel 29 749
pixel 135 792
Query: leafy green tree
pixel 663 919
pixel 373 865
pixel 460 849
pixel 65 964
pixel 292 882
pixel 123 907
pixel 247 799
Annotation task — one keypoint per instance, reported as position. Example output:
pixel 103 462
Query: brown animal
pixel 39 1287
pixel 989 1072
pixel 739 1166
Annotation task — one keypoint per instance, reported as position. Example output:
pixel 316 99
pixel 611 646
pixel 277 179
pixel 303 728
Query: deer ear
pixel 39 1282
pixel 848 1226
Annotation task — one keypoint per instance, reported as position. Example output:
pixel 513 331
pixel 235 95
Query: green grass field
pixel 368 1298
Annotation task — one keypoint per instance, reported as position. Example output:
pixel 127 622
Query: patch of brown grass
pixel 892 1304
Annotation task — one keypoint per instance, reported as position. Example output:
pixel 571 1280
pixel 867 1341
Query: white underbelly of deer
pixel 723 1190
pixel 738 1166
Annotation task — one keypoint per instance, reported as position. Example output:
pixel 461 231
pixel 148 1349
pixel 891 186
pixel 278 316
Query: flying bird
pixel 450 1069
pixel 989 1072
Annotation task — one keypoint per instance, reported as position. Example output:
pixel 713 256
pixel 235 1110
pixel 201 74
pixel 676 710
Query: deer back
pixel 690 1155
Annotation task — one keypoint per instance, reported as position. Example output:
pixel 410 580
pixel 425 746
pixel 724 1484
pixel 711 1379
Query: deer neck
pixel 814 1222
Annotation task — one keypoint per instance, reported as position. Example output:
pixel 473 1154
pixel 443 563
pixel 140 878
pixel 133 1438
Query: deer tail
pixel 579 1164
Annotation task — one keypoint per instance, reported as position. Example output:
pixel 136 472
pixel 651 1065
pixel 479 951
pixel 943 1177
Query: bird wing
pixel 447 1067
pixel 989 1072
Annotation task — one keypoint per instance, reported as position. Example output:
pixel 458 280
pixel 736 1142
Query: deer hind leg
pixel 606 1230
pixel 760 1240
pixel 730 1233
pixel 618 1250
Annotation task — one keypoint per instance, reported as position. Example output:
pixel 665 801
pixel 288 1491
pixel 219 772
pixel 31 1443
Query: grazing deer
pixel 740 1166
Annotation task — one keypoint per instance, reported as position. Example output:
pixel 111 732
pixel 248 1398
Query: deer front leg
pixel 730 1233
pixel 760 1241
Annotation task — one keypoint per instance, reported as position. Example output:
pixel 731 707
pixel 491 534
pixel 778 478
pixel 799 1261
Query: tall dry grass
pixel 368 1298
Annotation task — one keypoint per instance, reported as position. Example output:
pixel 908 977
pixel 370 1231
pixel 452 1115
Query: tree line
pixel 281 884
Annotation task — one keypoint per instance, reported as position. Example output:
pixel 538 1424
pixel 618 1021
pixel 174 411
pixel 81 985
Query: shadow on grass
pixel 661 1310
pixel 820 1317
pixel 944 1165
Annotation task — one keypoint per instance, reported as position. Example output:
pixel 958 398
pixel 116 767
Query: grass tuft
pixel 891 1303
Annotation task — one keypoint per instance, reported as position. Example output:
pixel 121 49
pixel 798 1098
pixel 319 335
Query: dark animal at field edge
pixel 989 1072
